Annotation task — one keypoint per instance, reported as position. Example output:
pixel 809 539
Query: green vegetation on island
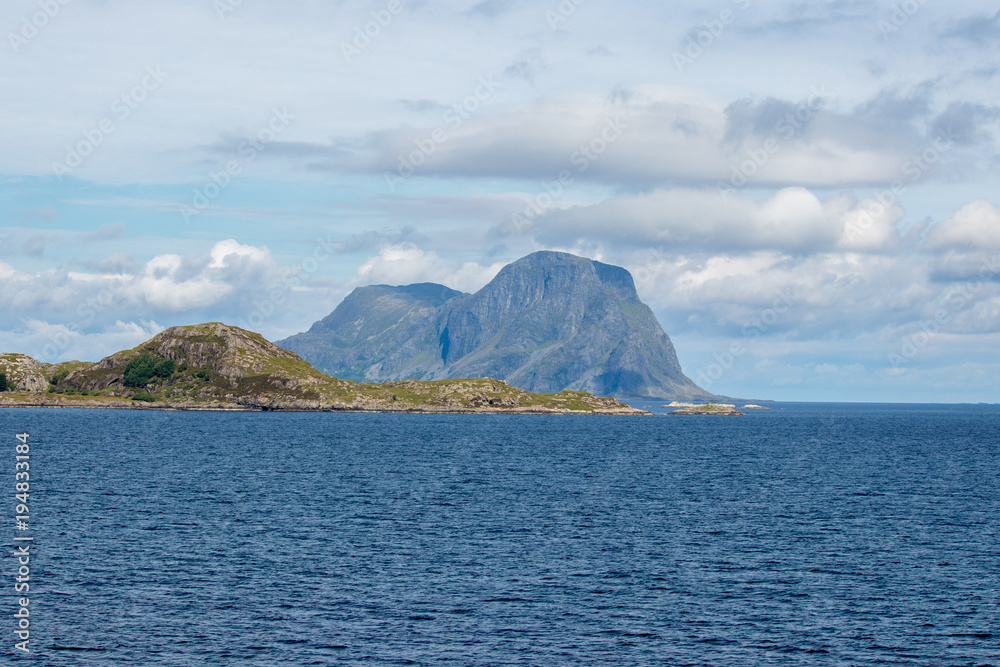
pixel 215 366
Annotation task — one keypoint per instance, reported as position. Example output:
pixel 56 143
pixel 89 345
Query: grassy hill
pixel 215 366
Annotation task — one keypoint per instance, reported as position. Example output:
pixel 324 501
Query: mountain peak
pixel 544 274
pixel 387 303
pixel 547 322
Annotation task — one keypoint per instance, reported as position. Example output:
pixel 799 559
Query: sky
pixel 805 193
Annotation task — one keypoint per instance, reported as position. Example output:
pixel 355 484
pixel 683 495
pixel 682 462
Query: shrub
pixel 139 370
pixel 144 397
pixel 165 369
pixel 58 377
pixel 202 375
pixel 183 367
pixel 3 382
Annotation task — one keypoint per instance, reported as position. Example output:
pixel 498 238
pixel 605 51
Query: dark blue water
pixel 804 535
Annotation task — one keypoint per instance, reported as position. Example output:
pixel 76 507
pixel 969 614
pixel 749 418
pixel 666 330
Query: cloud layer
pixel 815 182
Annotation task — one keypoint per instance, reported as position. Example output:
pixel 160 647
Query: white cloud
pixel 227 251
pixel 54 342
pixel 871 226
pixel 167 285
pixel 7 272
pixel 818 295
pixel 803 223
pixel 655 135
pixel 973 226
pixel 404 264
pixel 793 219
pixel 161 289
pixel 399 265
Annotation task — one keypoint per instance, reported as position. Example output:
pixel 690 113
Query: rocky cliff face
pixel 372 323
pixel 548 322
pixel 23 373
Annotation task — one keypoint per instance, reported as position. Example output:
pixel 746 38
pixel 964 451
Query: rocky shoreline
pixel 215 367
pixel 44 401
pixel 720 409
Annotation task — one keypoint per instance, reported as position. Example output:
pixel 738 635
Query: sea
pixel 805 534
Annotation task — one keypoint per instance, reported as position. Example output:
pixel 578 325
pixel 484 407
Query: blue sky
pixel 806 193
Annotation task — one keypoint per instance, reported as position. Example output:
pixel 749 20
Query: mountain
pixel 367 325
pixel 547 322
pixel 218 367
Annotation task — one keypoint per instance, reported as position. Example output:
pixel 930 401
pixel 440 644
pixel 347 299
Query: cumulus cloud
pixel 794 219
pixel 51 343
pixel 975 225
pixel 226 281
pixel 163 286
pixel 823 296
pixel 406 264
pixel 7 272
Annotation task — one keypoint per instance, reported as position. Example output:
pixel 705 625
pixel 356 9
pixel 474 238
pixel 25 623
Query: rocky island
pixel 219 367
pixel 548 322
pixel 720 409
